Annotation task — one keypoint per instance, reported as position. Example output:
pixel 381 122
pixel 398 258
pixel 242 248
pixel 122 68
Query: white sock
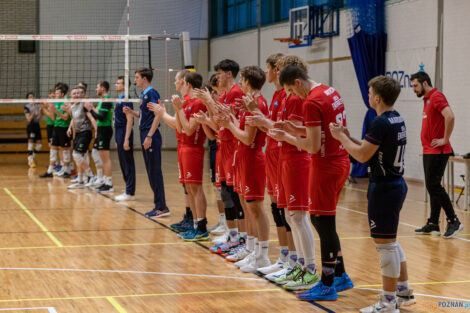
pixel 292 258
pixel 233 234
pixel 250 243
pixel 109 180
pixel 50 169
pixel 284 253
pixel 389 295
pixel 66 169
pixel 257 248
pixel 403 284
pixel 243 234
pixel 264 246
pixel 99 173
pixel 80 177
pixel 221 218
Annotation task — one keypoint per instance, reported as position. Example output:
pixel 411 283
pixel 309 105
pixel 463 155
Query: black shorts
pixel 82 141
pixel 105 133
pixel 385 203
pixel 60 138
pixel 33 130
pixel 50 129
pixel 212 153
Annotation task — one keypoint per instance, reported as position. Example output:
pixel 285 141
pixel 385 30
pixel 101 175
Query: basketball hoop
pixel 295 41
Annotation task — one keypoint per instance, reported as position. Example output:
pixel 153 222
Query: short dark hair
pixel 64 88
pixel 228 66
pixel 123 79
pixel 85 85
pixel 273 59
pixel 29 93
pixel 386 87
pixel 80 87
pixel 254 75
pixel 421 77
pixel 194 79
pixel 145 72
pixel 290 73
pixel 104 84
pixel 213 80
pixel 51 91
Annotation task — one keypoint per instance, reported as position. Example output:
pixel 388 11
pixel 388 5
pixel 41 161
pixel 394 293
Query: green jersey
pixel 105 111
pixel 59 122
pixel 49 121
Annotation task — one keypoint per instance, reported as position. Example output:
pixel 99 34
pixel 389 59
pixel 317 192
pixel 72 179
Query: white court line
pixel 403 223
pixel 50 309
pixel 420 294
pixel 125 272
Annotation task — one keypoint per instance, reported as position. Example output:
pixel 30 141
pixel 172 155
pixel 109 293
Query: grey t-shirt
pixel 33 109
pixel 80 119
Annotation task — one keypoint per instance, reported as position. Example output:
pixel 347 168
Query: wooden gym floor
pixel 78 251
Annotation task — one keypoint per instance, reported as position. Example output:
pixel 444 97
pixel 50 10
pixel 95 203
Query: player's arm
pixel 210 134
pixel 449 119
pixel 129 125
pixel 63 115
pixel 93 122
pixel 28 115
pixel 361 150
pixel 189 126
pixel 246 136
pixel 103 111
pixel 311 143
pixel 71 127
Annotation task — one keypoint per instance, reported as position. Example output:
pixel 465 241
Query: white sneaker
pixel 91 182
pixel 252 267
pixel 220 239
pixel 74 180
pixel 99 182
pixel 248 259
pixel 59 173
pixel 273 276
pixel 124 197
pixel 272 268
pixel 220 229
pixel 240 255
pixel 210 229
pixel 405 297
pixel 77 185
pixel 382 306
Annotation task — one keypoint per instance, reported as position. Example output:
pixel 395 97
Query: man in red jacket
pixel 437 126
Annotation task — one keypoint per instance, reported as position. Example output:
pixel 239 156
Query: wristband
pixel 148 136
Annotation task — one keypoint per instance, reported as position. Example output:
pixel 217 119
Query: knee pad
pixel 78 157
pixel 402 254
pixel 218 195
pixel 230 214
pixel 66 155
pixel 30 146
pixel 389 259
pixel 282 212
pixel 87 158
pixel 38 147
pixel 277 215
pixel 184 188
pixel 53 156
pixel 95 154
pixel 237 204
pixel 226 198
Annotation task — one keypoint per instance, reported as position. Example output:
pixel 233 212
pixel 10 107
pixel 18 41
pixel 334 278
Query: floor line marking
pixel 403 223
pixel 420 294
pixel 143 295
pixel 43 228
pixel 126 272
pixel 116 305
pixel 424 283
pixel 50 309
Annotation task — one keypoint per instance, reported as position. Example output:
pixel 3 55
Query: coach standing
pixel 150 139
pixel 437 126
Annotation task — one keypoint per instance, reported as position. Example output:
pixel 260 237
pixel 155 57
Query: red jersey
pixel 178 135
pixel 198 138
pixel 433 125
pixel 323 106
pixel 278 97
pixel 292 107
pixel 229 98
pixel 260 138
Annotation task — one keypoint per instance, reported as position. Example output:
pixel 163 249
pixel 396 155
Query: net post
pixel 126 56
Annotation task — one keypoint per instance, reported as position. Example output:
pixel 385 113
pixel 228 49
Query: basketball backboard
pixel 301 25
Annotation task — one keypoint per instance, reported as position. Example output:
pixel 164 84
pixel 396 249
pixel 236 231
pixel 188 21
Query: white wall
pixel 412 30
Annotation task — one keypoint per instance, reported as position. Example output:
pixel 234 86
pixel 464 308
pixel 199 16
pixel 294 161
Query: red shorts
pixel 218 164
pixel 252 173
pixel 326 180
pixel 192 164
pixel 237 182
pixel 293 181
pixel 178 154
pixel 227 148
pixel 272 161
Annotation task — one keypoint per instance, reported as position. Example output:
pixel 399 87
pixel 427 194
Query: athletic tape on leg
pixel 66 154
pixel 38 147
pixel 78 157
pixel 389 259
pixel 53 155
pixel 95 154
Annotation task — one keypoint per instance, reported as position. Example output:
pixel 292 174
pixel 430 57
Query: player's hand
pixel 222 119
pixel 147 142
pixel 202 94
pixel 88 106
pixel 336 130
pixel 256 120
pixel 201 117
pixel 126 145
pixel 438 142
pixel 277 134
pixel 127 110
pixel 177 102
pixel 248 102
pixel 69 132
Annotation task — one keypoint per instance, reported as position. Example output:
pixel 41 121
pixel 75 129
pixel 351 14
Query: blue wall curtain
pixel 367 46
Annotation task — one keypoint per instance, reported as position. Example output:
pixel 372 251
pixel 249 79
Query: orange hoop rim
pixel 295 41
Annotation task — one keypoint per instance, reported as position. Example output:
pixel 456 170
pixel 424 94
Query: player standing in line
pixel 49 116
pixel 80 131
pixel 103 114
pixel 329 170
pixel 251 172
pixel 151 140
pixel 383 147
pixel 33 115
pixel 124 142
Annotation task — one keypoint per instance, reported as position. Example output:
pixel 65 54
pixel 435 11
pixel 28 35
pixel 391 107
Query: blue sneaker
pixel 189 235
pixel 157 213
pixel 178 226
pixel 187 232
pixel 319 292
pixel 343 283
pixel 197 235
pixel 57 168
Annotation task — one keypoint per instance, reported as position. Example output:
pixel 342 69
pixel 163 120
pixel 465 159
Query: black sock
pixel 202 225
pixel 328 274
pixel 339 269
pixel 189 214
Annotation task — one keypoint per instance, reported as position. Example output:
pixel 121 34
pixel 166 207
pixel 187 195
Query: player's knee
pixel 30 146
pixel 278 220
pixel 389 259
pixel 38 147
pixel 66 155
pixel 95 154
pixel 401 253
pixel 78 157
pixel 53 155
